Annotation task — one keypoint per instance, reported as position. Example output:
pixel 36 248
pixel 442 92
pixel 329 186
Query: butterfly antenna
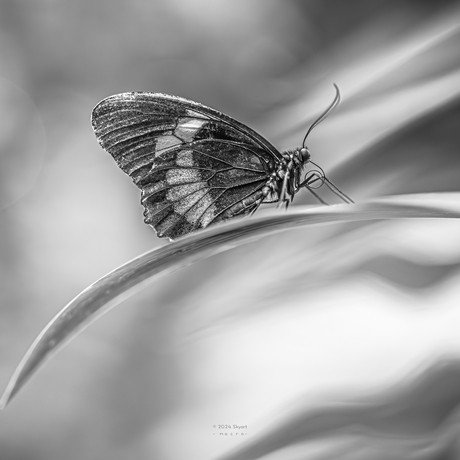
pixel 334 104
pixel 283 190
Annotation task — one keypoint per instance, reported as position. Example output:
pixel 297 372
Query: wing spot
pixel 176 193
pixel 187 128
pixel 149 189
pixel 204 206
pixel 182 206
pixel 184 158
pixel 166 142
pixel 208 216
pixel 182 176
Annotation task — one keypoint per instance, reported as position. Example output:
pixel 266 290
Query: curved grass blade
pixel 134 275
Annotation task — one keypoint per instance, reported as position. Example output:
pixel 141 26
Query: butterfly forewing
pixel 194 165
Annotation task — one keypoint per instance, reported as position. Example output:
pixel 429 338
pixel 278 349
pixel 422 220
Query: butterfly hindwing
pixel 194 165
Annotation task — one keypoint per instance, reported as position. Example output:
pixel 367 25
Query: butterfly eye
pixel 305 154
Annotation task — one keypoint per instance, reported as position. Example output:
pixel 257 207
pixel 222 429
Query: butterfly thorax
pixel 285 180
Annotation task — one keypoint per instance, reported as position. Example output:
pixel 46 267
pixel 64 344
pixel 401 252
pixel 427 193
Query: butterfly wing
pixel 194 165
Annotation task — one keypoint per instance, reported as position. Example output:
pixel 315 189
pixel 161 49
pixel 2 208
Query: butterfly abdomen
pixel 245 206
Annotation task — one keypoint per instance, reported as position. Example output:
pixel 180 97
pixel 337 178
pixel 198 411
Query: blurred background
pixel 335 342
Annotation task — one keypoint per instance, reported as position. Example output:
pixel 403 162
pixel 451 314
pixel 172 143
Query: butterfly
pixel 196 166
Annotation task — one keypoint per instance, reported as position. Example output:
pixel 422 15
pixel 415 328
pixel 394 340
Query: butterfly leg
pixel 256 206
pixel 337 191
pixel 309 181
pixel 315 176
pixel 316 195
pixel 284 188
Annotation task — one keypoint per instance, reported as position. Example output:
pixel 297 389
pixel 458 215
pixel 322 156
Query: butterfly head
pixel 304 155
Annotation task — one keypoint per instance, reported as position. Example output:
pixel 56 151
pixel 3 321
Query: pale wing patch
pixel 149 189
pixel 166 142
pixel 187 128
pixel 208 216
pixel 204 206
pixel 176 193
pixel 185 132
pixel 182 176
pixel 182 206
pixel 184 158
